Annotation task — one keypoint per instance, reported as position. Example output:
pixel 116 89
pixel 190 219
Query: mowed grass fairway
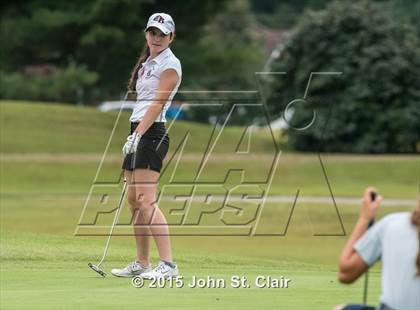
pixel 50 155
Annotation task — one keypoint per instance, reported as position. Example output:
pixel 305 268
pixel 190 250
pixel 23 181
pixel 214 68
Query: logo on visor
pixel 159 19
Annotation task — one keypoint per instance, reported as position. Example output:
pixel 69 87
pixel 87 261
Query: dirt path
pixel 319 200
pixel 74 157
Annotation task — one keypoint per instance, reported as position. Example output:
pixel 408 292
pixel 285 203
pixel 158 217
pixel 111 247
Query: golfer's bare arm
pixel 351 266
pixel 167 83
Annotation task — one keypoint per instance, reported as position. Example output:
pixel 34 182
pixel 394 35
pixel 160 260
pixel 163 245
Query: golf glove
pixel 130 145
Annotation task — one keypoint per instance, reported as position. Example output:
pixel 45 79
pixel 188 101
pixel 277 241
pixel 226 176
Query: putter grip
pixel 133 160
pixel 373 195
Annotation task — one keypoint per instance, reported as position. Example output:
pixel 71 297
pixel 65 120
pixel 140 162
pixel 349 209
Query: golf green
pixel 48 171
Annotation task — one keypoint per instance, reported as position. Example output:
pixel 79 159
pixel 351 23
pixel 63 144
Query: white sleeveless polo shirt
pixel 148 83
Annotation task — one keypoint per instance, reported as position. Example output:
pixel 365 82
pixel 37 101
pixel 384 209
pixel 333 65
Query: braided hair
pixel 131 86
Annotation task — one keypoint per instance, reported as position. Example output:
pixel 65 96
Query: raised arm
pixel 351 265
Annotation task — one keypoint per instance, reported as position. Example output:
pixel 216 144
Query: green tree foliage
pixel 373 107
pixel 71 83
pixel 102 38
pixel 284 14
pixel 407 11
pixel 230 50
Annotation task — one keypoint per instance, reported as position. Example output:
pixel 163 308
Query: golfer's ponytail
pixel 131 86
pixel 415 219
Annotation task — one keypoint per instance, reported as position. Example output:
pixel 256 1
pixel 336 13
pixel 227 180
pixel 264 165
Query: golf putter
pixel 371 222
pixel 97 267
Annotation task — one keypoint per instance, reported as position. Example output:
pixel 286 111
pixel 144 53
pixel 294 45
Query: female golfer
pixel 155 79
pixel 395 240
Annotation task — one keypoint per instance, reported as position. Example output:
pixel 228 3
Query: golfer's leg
pixel 141 233
pixel 150 214
pixel 161 235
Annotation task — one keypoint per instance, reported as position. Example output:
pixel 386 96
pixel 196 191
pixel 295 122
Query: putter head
pixel 97 269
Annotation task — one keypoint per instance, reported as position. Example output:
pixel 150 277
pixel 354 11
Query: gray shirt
pixel 394 240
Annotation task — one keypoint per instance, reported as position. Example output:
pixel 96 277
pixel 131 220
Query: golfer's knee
pixel 131 198
pixel 141 204
pixel 143 211
pixel 136 200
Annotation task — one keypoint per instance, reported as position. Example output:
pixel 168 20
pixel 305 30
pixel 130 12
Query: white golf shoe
pixel 134 269
pixel 162 270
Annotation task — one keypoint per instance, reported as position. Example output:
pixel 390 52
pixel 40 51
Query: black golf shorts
pixel 151 150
